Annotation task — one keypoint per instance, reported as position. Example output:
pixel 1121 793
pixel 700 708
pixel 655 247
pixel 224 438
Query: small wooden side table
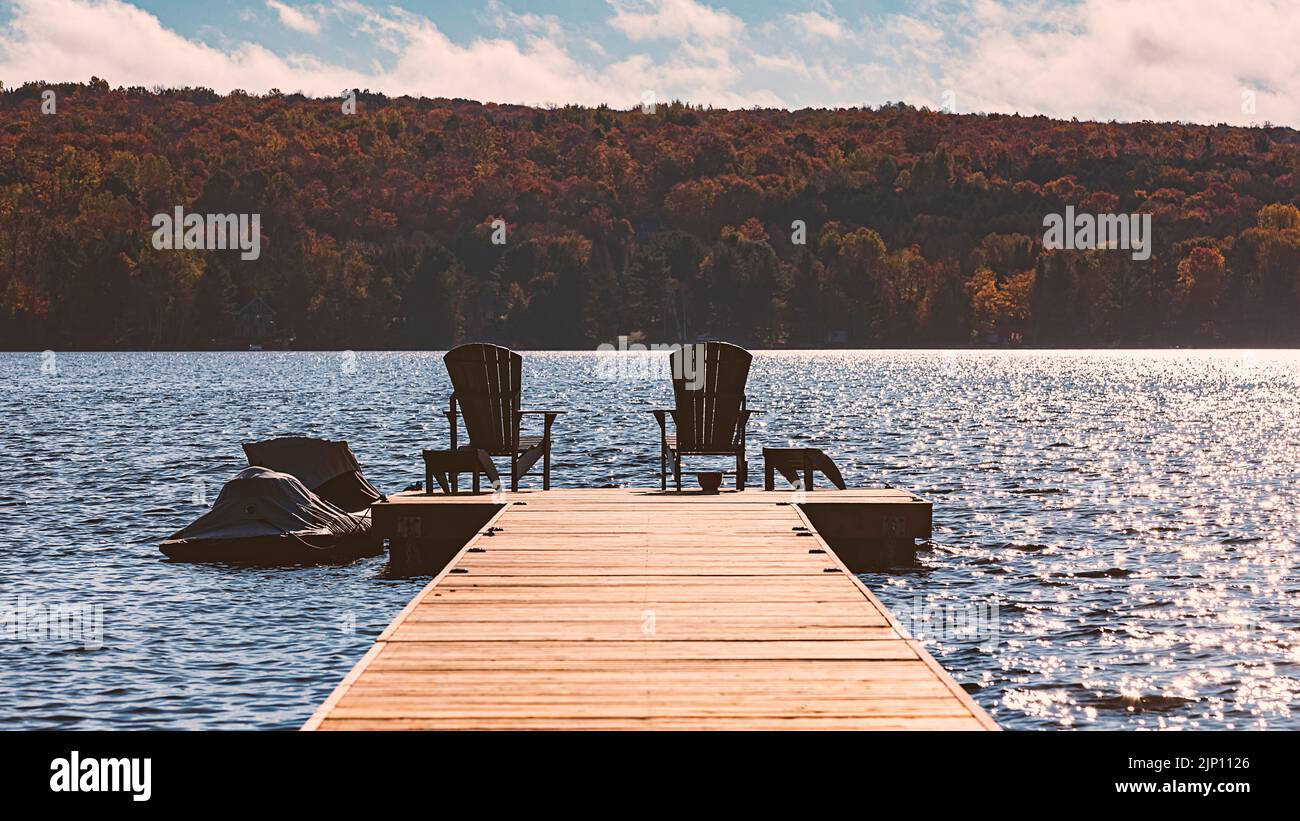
pixel 446 465
pixel 793 461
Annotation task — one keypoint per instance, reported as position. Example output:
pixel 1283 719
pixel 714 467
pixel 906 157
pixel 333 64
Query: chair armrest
pixel 548 419
pixel 661 416
pixel 744 422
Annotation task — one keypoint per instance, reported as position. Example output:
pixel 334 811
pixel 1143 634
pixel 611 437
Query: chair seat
pixel 708 451
pixel 525 443
pixel 462 458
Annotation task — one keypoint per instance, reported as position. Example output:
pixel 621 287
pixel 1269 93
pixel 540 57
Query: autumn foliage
pixel 919 227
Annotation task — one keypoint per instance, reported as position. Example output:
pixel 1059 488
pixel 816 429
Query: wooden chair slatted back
pixel 487 381
pixel 709 388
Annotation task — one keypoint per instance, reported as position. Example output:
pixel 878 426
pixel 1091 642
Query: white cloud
pixel 1157 59
pixel 1101 59
pixel 296 19
pixel 813 25
pixel 64 40
pixel 791 64
pixel 907 29
pixel 502 18
pixel 673 19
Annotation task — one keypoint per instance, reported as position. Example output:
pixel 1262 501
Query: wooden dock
pixel 639 609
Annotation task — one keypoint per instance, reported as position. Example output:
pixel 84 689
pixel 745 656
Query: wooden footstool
pixel 793 461
pixel 447 465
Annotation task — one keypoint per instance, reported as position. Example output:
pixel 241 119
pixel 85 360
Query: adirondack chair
pixel 711 412
pixel 486 381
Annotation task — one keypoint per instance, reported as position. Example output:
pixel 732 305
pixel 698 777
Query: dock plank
pixel 618 609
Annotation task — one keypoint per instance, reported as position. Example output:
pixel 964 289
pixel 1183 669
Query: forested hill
pixel 922 228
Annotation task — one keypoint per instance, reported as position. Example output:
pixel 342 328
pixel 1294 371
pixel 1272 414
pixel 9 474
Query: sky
pixel 1209 61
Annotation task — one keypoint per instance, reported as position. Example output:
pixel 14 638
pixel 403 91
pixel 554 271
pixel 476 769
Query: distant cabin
pixel 256 319
pixel 836 336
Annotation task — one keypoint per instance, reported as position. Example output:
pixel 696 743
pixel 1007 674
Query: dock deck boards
pixel 626 609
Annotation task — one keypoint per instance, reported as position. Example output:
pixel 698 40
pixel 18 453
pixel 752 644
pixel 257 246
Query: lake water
pixel 1132 515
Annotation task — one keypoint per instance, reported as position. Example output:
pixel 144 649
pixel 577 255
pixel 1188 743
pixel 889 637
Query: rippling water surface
pixel 1131 514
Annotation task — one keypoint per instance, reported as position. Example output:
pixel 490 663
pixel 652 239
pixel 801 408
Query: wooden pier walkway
pixel 637 609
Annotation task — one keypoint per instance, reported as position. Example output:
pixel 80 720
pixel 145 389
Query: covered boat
pixel 300 501
pixel 328 469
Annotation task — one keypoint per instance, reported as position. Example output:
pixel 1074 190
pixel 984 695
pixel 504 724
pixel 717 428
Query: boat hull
pixel 281 549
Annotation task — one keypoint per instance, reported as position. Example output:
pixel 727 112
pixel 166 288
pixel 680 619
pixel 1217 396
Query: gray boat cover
pixel 263 502
pixel 328 469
